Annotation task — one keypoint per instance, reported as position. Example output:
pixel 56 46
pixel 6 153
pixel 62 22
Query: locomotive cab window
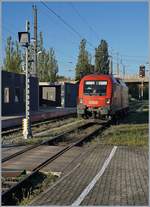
pixel 96 88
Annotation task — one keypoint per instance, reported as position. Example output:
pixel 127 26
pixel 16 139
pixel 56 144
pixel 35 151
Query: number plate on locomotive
pixel 93 102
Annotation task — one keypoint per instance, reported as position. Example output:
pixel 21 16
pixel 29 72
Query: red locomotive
pixel 102 96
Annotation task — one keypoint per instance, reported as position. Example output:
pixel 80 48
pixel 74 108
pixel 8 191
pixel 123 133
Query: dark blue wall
pixel 12 80
pixel 70 94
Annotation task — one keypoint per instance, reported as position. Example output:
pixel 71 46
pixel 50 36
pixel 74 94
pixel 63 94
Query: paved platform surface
pixel 42 114
pixel 41 111
pixel 32 158
pixel 123 182
pixel 7 151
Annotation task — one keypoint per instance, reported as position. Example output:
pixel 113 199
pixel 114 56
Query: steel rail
pixel 52 139
pixel 37 123
pixel 8 196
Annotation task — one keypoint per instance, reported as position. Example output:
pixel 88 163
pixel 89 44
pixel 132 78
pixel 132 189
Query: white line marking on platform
pixel 95 179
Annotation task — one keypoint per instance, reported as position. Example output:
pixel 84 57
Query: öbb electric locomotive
pixel 102 96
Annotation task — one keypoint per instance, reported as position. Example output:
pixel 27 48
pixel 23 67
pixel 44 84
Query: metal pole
pixel 35 40
pixel 110 65
pixel 118 64
pixel 28 130
pixel 123 71
pixel 139 91
pixel 142 89
pixel 35 49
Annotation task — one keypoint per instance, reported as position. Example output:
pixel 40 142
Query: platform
pixel 90 179
pixel 42 114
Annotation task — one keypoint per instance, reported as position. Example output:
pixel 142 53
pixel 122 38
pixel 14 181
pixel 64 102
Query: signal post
pixel 24 39
pixel 142 75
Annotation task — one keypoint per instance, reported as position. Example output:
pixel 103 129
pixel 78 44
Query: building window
pixel 17 95
pixel 49 93
pixel 6 95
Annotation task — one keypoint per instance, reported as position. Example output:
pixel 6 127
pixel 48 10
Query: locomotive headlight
pixel 107 100
pixel 81 101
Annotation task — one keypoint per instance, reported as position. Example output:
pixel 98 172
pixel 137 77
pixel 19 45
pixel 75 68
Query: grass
pixel 126 135
pixel 132 131
pixel 54 132
pixel 49 179
pixel 51 128
pixel 50 133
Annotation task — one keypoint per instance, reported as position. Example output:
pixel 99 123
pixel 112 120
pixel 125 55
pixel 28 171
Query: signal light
pixel 24 38
pixel 142 71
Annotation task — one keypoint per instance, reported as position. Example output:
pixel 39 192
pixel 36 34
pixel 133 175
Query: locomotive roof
pixel 90 75
pixel 99 75
pixel 114 80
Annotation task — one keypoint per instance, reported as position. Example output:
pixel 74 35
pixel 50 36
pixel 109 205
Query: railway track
pixel 8 131
pixel 15 136
pixel 50 140
pixel 34 158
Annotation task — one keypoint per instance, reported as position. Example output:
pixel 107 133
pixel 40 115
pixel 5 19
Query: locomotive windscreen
pixel 97 88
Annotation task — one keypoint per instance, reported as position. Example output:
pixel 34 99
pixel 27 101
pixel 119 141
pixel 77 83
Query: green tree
pixel 41 58
pixel 41 65
pixel 13 57
pixel 102 58
pixel 83 66
pixel 47 67
pixel 52 69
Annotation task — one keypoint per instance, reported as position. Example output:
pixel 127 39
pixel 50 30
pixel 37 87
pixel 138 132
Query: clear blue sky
pixel 124 25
